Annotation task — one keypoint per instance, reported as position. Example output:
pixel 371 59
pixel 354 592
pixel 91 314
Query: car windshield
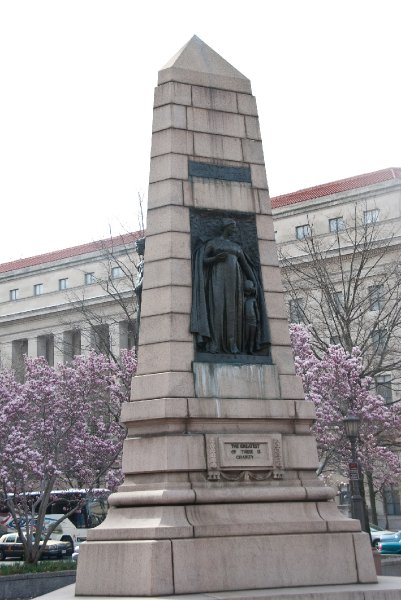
pixel 41 538
pixel 377 528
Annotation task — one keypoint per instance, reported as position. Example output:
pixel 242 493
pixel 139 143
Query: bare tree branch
pixel 347 288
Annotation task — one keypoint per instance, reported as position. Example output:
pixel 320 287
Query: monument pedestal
pixel 220 491
pixel 232 502
pixel 211 547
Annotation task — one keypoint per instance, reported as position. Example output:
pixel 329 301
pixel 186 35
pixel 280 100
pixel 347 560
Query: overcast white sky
pixel 76 92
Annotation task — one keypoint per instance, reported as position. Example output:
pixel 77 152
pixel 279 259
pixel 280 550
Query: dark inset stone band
pixel 210 171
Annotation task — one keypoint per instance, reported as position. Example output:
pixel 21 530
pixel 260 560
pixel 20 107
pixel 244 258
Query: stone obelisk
pixel 220 490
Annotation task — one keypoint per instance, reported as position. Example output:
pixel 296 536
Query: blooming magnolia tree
pixel 335 384
pixel 59 429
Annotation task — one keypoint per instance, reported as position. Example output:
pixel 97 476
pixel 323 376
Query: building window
pixel 100 339
pixel 116 272
pixel 127 334
pixel 63 284
pixel 392 500
pixel 383 388
pixel 302 231
pixel 379 339
pixel 296 310
pixel 336 224
pixel 376 297
pixel 14 294
pixel 45 345
pixel 38 289
pixel 344 494
pixel 89 278
pixel 370 216
pixel 338 298
pixel 71 344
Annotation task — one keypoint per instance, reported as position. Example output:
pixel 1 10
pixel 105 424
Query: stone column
pixel 6 353
pixel 114 332
pixel 59 348
pixel 220 491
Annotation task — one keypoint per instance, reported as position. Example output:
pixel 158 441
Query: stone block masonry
pixel 220 490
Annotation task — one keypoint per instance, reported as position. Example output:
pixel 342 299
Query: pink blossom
pixel 60 428
pixel 335 384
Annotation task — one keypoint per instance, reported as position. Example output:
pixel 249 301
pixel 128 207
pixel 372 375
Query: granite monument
pixel 220 489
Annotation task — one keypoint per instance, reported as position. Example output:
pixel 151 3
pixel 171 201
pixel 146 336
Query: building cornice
pixel 349 197
pixel 65 263
pixel 332 256
pixel 72 306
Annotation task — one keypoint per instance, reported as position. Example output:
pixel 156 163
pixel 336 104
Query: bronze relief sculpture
pixel 228 310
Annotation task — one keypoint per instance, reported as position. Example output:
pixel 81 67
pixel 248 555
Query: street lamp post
pixel 351 426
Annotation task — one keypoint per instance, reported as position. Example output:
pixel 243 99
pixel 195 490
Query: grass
pixel 41 567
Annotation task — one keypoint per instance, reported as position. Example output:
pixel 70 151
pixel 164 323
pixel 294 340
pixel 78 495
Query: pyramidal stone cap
pixel 197 64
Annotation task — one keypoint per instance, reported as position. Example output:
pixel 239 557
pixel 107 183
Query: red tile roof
pixel 343 185
pixel 118 240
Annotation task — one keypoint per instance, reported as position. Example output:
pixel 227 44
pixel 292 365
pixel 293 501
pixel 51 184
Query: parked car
pixel 11 546
pixel 75 554
pixel 377 533
pixel 390 544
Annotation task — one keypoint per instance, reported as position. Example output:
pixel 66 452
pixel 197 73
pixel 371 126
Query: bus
pixel 73 529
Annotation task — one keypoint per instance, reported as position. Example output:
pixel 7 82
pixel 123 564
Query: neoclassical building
pixel 330 205
pixel 66 302
pixel 339 245
pixel 357 216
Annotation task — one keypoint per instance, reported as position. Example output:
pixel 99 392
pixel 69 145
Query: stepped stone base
pixel 387 588
pixel 206 548
pixel 185 566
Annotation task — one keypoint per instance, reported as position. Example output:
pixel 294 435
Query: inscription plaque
pixel 259 452
pixel 241 453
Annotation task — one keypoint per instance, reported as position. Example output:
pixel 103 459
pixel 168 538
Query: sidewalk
pixel 388 588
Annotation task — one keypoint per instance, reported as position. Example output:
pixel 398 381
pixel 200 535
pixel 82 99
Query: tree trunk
pixel 372 497
pixel 385 509
pixel 31 558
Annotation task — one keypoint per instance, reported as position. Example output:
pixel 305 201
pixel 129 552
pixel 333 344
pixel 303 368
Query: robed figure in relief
pixel 220 272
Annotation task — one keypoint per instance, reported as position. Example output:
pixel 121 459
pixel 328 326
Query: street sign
pixel 353 471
